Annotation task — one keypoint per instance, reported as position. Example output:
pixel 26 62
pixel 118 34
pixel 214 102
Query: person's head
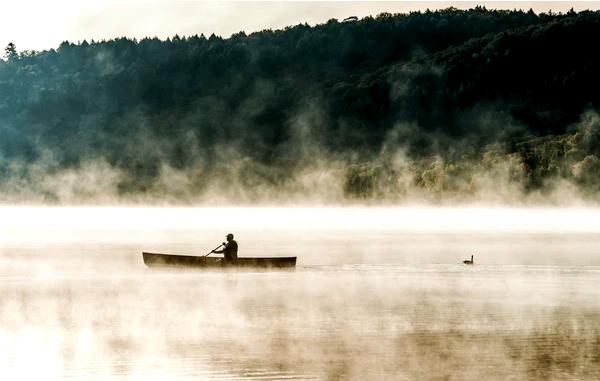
pixel 229 237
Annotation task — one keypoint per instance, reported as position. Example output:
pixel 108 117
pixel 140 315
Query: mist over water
pixel 377 294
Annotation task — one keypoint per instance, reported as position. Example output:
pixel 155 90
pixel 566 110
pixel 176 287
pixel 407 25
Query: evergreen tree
pixel 10 52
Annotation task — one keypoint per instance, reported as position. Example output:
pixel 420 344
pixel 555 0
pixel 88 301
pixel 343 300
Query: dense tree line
pixel 443 87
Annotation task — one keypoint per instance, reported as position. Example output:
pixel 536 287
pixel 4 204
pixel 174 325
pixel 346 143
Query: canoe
pixel 171 260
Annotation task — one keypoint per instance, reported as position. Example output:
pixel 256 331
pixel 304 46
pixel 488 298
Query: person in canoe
pixel 229 250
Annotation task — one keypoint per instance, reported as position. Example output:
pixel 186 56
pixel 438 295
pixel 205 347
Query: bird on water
pixel 467 262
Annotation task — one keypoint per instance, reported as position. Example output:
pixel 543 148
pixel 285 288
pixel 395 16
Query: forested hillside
pixel 444 106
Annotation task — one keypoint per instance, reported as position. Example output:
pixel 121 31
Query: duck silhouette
pixel 467 262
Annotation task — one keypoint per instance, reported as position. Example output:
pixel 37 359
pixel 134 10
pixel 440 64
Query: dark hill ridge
pixel 388 107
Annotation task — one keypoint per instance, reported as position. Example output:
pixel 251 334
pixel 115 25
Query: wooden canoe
pixel 170 260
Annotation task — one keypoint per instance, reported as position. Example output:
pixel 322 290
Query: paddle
pixel 210 252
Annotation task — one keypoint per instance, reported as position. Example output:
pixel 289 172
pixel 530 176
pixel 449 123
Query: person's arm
pixel 221 251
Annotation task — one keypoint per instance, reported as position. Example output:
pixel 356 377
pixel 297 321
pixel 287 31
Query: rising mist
pixel 442 107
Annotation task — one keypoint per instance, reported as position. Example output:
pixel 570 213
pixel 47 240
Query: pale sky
pixel 41 25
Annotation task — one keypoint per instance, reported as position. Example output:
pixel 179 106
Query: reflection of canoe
pixel 155 259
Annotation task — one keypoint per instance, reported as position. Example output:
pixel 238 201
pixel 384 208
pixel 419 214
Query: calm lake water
pixel 377 294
